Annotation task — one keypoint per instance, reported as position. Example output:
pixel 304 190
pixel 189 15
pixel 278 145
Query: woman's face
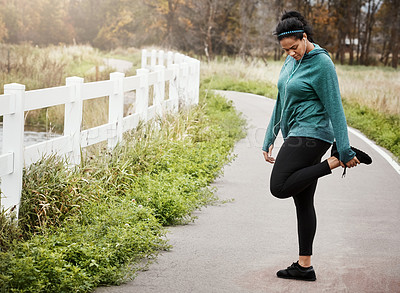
pixel 293 47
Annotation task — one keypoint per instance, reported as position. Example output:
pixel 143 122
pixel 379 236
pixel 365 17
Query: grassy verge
pixel 380 126
pixel 227 83
pixel 95 224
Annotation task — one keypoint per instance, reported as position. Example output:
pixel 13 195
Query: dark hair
pixel 293 21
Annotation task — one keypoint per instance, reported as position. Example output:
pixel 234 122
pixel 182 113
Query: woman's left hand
pixel 268 155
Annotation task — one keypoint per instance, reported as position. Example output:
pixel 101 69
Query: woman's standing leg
pixel 306 223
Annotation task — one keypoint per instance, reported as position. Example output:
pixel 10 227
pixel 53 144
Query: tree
pixel 355 28
pixel 3 30
pixel 12 21
pixel 323 23
pixel 87 18
pixel 369 22
pixel 213 26
pixel 115 32
pixel 53 26
pixel 166 17
pixel 389 28
pixel 395 31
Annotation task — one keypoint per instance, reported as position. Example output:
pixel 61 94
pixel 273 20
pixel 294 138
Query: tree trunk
pixel 371 22
pixel 351 52
pixel 358 34
pixel 394 32
pixel 208 41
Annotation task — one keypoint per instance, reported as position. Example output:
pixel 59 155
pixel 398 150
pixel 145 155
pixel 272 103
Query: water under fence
pixel 171 79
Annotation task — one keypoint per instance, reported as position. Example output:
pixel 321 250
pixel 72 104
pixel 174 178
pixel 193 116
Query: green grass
pixel 81 69
pixel 382 128
pixel 228 83
pixel 101 222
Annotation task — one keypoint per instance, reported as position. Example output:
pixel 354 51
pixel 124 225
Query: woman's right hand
pixel 352 163
pixel 268 155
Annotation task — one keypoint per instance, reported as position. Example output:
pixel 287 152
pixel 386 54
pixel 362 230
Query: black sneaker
pixel 297 272
pixel 361 156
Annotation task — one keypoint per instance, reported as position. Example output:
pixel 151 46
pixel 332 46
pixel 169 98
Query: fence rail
pixel 181 72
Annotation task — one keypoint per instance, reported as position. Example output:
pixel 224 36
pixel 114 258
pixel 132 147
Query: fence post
pixel 13 142
pixel 144 58
pixel 116 109
pixel 142 94
pixel 183 84
pixel 153 61
pixel 160 57
pixel 197 81
pixel 191 80
pixel 194 80
pixel 173 87
pixel 159 89
pixel 73 118
pixel 179 75
pixel 177 58
pixel 170 58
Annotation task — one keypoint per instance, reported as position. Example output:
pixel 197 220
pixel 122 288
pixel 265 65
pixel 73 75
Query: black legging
pixel 295 174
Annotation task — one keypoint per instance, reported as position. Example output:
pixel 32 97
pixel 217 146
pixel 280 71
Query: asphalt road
pixel 239 246
pixel 119 65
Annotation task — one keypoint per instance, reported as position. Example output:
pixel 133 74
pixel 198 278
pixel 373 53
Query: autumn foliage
pixel 357 32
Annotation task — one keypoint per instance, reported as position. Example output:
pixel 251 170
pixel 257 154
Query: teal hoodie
pixel 309 103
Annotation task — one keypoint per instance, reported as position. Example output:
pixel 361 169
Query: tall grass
pixel 377 88
pixel 370 94
pixel 38 68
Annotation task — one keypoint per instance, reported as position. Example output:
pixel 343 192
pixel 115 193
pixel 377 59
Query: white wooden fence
pixel 181 72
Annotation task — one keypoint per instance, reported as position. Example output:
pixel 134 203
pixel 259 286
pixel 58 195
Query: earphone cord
pixel 290 76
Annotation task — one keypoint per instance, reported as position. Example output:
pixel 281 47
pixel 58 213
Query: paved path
pixel 119 65
pixel 239 246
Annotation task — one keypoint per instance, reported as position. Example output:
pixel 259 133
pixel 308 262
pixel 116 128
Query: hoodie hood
pixel 317 50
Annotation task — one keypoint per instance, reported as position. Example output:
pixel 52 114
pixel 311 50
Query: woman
pixel 309 113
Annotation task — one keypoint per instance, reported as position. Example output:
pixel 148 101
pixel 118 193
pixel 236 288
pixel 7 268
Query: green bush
pixel 10 231
pixel 96 249
pixel 50 193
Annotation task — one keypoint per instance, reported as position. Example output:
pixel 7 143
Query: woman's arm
pixel 326 86
pixel 273 126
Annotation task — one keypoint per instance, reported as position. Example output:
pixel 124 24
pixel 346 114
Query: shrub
pixel 95 249
pixel 51 192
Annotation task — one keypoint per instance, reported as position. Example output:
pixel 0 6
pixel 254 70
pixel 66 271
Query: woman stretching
pixel 310 115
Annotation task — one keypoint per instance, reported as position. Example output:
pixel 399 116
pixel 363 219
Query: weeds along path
pixel 238 246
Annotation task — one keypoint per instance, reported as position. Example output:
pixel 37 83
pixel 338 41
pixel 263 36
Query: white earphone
pixel 287 81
